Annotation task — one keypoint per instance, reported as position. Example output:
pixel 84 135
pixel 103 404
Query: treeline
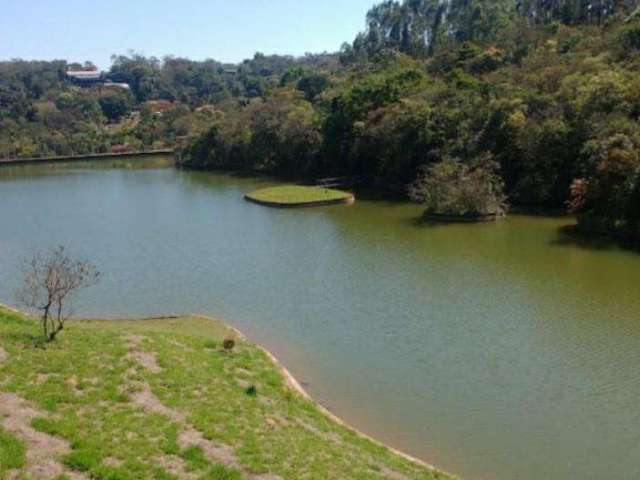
pixel 545 91
pixel 43 113
pixel 549 91
pixel 421 27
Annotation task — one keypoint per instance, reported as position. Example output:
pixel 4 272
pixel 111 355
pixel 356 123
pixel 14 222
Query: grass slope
pixel 298 195
pixel 12 453
pixel 161 399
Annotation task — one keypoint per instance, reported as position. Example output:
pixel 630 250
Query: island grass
pixel 298 195
pixel 84 385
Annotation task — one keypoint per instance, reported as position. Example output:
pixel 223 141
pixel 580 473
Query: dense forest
pixel 545 91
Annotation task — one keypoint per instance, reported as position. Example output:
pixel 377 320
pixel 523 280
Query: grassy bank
pixel 162 399
pixel 299 196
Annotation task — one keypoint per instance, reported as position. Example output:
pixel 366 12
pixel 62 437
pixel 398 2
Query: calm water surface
pixel 494 351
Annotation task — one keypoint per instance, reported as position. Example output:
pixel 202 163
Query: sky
pixel 225 30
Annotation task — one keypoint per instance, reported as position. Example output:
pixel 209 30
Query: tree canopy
pixel 548 89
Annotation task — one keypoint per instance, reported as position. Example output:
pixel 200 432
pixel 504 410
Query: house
pixel 84 77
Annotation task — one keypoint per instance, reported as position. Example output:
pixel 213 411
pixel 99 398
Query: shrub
pixel 229 344
pixel 251 390
pixel 455 188
pixel 630 38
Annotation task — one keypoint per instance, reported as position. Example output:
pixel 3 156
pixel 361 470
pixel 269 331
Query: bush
pixel 229 344
pixel 251 390
pixel 630 38
pixel 454 188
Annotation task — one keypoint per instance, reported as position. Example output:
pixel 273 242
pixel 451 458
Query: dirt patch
pixel 189 436
pixel 327 436
pixel 144 397
pixel 41 378
pixel 3 355
pixel 149 402
pixel 146 359
pixel 218 453
pixel 392 474
pixel 112 462
pixel 175 466
pixel 43 450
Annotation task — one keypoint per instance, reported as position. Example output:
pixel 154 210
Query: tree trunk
pixel 45 320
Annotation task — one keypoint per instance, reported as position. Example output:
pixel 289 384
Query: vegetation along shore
pixel 89 156
pixel 180 397
pixel 542 96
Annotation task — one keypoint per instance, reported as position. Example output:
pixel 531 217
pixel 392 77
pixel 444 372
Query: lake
pixel 494 351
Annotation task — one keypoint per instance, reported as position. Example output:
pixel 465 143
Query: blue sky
pixel 229 31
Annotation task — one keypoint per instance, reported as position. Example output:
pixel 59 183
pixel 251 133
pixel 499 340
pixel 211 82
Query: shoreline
pixel 293 383
pixel 289 378
pixel 89 156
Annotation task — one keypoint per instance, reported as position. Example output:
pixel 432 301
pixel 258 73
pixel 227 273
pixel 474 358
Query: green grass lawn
pixel 297 195
pixel 161 399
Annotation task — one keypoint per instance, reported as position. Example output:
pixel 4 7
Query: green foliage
pixel 451 187
pixel 313 85
pixel 535 83
pixel 115 105
pixel 630 38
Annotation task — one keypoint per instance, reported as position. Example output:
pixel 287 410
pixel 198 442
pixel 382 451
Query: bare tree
pixel 50 282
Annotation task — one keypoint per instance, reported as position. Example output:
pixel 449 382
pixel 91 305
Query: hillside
pixel 162 399
pixel 546 91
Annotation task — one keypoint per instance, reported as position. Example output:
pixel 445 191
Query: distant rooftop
pixel 94 77
pixel 85 75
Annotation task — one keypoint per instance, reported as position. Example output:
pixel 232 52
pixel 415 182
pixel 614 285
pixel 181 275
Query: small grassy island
pixel 174 398
pixel 292 196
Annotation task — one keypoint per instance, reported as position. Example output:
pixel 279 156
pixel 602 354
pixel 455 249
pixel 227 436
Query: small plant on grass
pixel 251 390
pixel 220 472
pixel 49 284
pixel 195 458
pixel 229 344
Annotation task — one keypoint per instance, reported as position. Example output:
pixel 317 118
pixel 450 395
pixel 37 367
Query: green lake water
pixel 494 351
